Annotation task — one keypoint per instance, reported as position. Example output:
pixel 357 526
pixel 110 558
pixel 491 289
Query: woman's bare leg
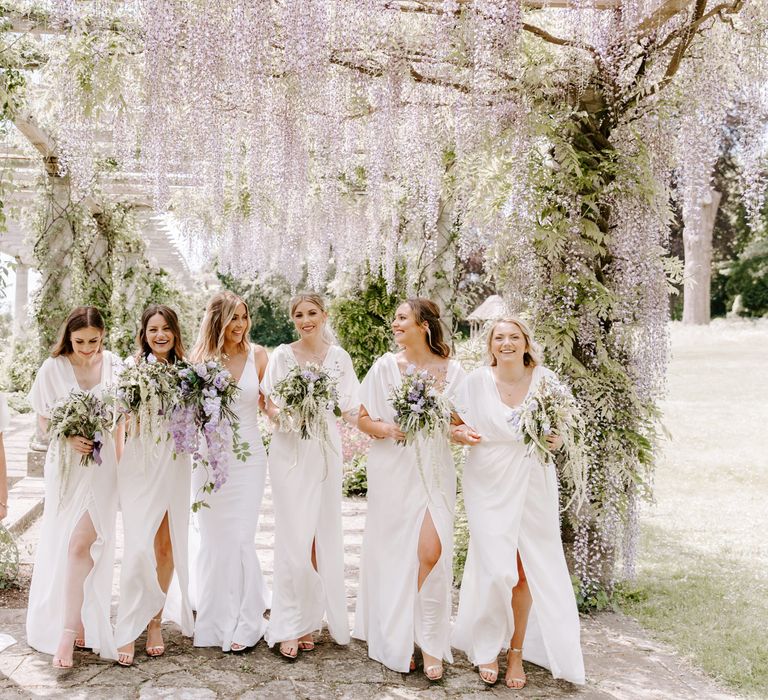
pixel 521 607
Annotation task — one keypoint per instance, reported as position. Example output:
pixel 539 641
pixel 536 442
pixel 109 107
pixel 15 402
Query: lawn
pixel 702 580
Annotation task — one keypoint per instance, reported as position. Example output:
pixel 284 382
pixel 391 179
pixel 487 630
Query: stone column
pixel 20 299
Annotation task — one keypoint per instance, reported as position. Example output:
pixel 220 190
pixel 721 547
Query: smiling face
pixel 405 329
pixel 308 319
pixel 159 336
pixel 86 342
pixel 508 343
pixel 235 329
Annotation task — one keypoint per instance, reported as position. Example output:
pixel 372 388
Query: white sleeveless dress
pixel 148 490
pixel 91 489
pixel 512 506
pixel 308 506
pixel 391 613
pixel 229 591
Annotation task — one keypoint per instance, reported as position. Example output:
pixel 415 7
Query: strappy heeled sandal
pixel 429 670
pixel 125 658
pixel 236 648
pixel 58 662
pixel 80 641
pixel 488 674
pixel 508 680
pixel 307 644
pixel 159 649
pixel 287 647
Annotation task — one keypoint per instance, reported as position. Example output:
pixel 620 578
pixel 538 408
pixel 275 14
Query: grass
pixel 702 581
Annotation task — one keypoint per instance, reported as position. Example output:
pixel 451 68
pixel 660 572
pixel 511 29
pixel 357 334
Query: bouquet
pixel 80 413
pixel 147 390
pixel 419 408
pixel 304 396
pixel 551 409
pixel 207 391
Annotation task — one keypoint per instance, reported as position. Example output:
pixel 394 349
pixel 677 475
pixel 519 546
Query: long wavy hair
pixel 219 312
pixel 142 346
pixel 80 317
pixel 425 310
pixel 533 354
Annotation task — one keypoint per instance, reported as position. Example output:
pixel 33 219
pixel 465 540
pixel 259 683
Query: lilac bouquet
pixel 551 409
pixel 80 413
pixel 207 391
pixel 419 407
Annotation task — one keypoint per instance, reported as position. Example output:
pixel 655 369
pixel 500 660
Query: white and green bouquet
pixel 148 391
pixel 550 409
pixel 419 407
pixel 85 415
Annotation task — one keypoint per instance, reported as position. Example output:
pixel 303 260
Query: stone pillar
pixel 20 299
pixel 697 243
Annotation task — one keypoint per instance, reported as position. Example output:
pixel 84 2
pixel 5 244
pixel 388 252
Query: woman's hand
pixel 388 430
pixel 464 435
pixel 554 441
pixel 80 444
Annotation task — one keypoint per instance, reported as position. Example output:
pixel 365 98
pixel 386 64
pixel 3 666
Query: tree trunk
pixel 697 242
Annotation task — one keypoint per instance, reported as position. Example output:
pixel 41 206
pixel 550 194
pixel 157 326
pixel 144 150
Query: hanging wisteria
pixel 293 135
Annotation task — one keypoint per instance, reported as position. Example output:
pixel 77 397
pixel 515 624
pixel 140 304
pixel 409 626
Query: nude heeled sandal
pixel 488 674
pixel 523 680
pixel 159 649
pixel 57 661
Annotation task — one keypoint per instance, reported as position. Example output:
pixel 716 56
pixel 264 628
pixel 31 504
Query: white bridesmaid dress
pixel 308 507
pixel 5 416
pixel 148 489
pixel 512 506
pixel 391 613
pixel 230 595
pixel 91 490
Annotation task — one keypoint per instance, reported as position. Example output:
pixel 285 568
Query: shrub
pixel 748 276
pixel 355 477
pixel 9 559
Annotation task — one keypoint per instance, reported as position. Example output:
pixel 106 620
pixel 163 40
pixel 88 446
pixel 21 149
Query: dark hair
pixel 426 311
pixel 177 351
pixel 79 318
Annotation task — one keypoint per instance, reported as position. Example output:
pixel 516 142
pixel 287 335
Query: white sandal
pixel 523 680
pixel 493 672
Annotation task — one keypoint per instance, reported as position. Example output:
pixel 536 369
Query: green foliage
pixel 268 303
pixel 748 277
pixel 355 477
pixel 9 560
pixel 25 361
pixel 362 319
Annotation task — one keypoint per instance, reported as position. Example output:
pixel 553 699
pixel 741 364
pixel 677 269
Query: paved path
pixel 621 662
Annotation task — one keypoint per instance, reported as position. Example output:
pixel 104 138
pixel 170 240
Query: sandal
pixel 237 648
pixel 157 649
pixel 58 662
pixel 290 649
pixel 434 672
pixel 489 674
pixel 512 679
pixel 306 644
pixel 125 658
pixel 412 666
pixel 80 640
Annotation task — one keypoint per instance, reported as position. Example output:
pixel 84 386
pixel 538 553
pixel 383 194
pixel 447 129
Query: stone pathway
pixel 621 662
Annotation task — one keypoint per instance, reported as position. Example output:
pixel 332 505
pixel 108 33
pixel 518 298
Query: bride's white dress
pixel 229 592
pixel 391 614
pixel 308 507
pixel 149 487
pixel 512 506
pixel 90 490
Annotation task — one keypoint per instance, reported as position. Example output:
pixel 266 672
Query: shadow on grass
pixel 713 609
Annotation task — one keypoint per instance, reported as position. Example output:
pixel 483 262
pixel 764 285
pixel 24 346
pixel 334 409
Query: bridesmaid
pixel 154 498
pixel 516 586
pixel 230 591
pixel 69 599
pixel 309 551
pixel 406 569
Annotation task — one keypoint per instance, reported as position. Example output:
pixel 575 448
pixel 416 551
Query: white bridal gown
pixel 229 590
pixel 391 614
pixel 148 490
pixel 308 506
pixel 91 490
pixel 512 506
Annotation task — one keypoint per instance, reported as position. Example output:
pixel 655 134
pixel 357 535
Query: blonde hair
pixel 219 312
pixel 533 355
pixel 314 298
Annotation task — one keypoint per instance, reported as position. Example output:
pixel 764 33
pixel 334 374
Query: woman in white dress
pixel 154 499
pixel 404 596
pixel 516 586
pixel 5 419
pixel 230 594
pixel 71 590
pixel 306 481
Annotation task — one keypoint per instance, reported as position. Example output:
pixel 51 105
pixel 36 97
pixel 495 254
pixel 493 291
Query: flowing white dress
pixel 512 506
pixel 5 416
pixel 148 489
pixel 308 507
pixel 90 490
pixel 391 613
pixel 229 590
